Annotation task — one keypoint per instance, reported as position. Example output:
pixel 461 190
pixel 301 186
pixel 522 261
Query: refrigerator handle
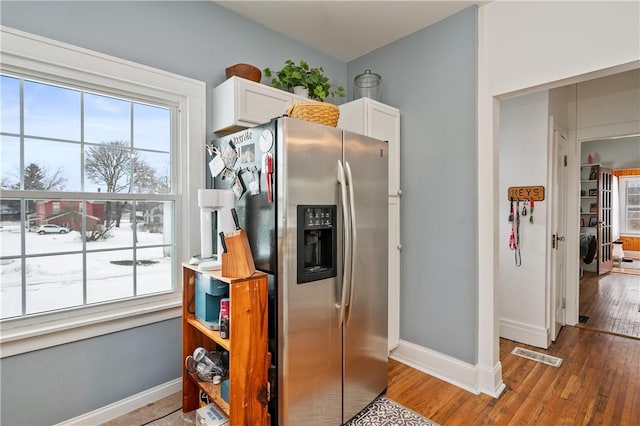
pixel 352 226
pixel 346 268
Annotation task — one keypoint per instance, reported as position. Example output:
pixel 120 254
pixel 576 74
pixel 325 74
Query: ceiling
pixel 346 30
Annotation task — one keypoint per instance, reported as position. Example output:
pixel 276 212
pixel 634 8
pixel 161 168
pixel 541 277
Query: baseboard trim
pixel 632 254
pixel 490 380
pixel 524 333
pixel 472 378
pixel 118 408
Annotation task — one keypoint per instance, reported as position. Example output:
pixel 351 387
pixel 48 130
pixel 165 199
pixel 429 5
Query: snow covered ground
pixel 54 280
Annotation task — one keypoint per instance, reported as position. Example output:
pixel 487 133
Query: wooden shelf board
pixel 214 392
pixel 211 334
pixel 217 274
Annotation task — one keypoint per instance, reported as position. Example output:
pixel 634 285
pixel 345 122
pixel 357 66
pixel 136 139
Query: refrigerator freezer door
pixel 310 358
pixel 365 330
pixel 255 213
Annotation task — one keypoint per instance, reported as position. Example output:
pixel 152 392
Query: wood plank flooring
pixel 612 302
pixel 597 383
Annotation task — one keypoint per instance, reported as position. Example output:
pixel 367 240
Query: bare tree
pixel 163 182
pixel 110 164
pixel 38 178
pixel 115 166
pixel 6 183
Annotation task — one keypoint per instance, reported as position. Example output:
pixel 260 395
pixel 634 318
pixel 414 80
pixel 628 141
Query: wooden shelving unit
pixel 249 359
pixel 588 184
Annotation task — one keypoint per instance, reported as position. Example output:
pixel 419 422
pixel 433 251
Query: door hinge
pixel 564 303
pixel 565 161
pixel 553 241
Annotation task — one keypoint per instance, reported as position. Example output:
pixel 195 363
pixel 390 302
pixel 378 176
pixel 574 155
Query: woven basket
pixel 318 112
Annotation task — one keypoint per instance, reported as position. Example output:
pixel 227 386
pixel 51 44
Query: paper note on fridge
pixel 216 166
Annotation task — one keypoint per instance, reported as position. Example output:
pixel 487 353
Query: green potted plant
pixel 301 75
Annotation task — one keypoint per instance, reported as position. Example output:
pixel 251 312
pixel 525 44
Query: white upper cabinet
pixel 239 103
pixel 375 119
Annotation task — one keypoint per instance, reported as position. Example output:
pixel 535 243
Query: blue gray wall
pixel 617 153
pixel 52 385
pixel 194 39
pixel 431 77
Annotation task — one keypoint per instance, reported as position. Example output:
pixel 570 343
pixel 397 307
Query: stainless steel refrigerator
pixel 313 200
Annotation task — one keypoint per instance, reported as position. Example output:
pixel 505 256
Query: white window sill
pixel 43 331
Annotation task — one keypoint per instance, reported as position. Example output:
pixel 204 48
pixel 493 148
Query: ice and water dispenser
pixel 317 249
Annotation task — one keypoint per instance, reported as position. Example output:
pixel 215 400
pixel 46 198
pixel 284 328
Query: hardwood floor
pixel 597 383
pixel 611 302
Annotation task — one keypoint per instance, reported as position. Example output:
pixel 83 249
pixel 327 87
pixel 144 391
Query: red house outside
pixel 67 213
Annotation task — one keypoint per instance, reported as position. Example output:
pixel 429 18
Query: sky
pixel 59 124
pixel 54 112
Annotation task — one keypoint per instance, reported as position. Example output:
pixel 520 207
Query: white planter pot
pixel 301 91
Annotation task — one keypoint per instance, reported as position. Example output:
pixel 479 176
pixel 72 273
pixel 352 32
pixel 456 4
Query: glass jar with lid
pixel 367 85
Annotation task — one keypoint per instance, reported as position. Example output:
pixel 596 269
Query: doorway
pixel 605 109
pixel 609 296
pixel 590 110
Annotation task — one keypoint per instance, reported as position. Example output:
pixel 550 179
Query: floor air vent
pixel 537 356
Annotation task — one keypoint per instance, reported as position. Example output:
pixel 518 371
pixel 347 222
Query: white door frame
pixel 557 230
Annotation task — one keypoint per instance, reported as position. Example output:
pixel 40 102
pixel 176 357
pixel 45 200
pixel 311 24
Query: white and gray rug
pixel 385 412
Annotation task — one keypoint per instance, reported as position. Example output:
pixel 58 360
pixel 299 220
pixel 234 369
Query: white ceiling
pixel 347 29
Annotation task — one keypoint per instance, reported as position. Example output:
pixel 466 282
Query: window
pixel 630 205
pixel 94 191
pixel 89 245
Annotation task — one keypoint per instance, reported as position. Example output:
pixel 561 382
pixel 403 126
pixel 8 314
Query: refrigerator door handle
pixel 346 268
pixel 352 226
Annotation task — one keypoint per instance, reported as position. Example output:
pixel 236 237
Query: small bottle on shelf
pixel 224 327
pixel 224 318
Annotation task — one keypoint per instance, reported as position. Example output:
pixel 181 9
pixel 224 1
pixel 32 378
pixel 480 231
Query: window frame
pixel 623 205
pixel 46 60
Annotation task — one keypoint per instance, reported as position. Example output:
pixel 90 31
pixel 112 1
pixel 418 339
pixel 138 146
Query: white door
pixel 558 226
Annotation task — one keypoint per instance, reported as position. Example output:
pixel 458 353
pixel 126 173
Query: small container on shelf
pixel 211 415
pixel 224 327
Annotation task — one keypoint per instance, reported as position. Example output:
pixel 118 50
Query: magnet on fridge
pixel 227 174
pixel 251 179
pixel 230 155
pixel 267 171
pixel 247 153
pixel 216 166
pixel 238 187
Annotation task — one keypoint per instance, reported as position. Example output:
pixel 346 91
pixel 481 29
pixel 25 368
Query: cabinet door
pixel 240 103
pixel 383 122
pixel 394 272
pixel 258 103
